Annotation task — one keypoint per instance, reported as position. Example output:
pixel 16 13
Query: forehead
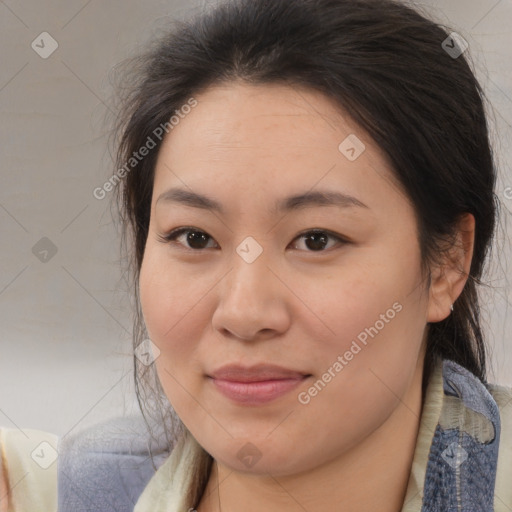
pixel 267 137
pixel 238 115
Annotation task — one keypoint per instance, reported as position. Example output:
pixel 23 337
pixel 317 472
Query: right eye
pixel 189 235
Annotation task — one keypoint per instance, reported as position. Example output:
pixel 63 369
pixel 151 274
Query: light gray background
pixel 65 348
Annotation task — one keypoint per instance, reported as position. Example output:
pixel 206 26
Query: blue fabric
pixel 106 467
pixel 461 472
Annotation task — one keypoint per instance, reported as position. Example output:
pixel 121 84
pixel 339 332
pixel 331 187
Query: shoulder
pixel 486 418
pixel 501 394
pixel 4 487
pixel 470 461
pixel 503 492
pixel 107 466
pixel 104 467
pixel 29 468
pixel 491 402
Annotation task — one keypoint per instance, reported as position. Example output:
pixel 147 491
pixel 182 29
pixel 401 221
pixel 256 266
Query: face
pixel 327 287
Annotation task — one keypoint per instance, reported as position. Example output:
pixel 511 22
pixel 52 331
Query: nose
pixel 251 301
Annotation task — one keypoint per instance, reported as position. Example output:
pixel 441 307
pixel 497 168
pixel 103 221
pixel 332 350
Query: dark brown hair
pixel 385 65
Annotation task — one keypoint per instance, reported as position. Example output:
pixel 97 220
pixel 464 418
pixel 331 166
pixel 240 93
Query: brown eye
pixel 196 240
pixel 316 241
pixel 191 238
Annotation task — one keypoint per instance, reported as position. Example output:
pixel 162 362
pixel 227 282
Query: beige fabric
pixel 168 490
pixel 30 461
pixel 430 416
pixel 503 488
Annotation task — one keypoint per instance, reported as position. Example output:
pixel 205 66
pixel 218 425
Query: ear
pixel 450 276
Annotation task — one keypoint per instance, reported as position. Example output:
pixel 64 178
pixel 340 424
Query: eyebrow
pixel 296 202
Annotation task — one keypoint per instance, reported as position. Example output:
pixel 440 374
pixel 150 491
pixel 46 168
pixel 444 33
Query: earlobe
pixel 450 276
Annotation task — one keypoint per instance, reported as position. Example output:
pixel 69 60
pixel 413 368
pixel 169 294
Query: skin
pixel 247 146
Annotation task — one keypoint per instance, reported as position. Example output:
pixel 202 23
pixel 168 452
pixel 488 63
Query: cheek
pixel 166 294
pixel 367 365
pixel 361 305
pixel 168 298
pixel 373 317
pixel 169 301
pixel 174 299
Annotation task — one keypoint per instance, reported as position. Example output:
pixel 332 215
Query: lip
pixel 257 384
pixel 255 373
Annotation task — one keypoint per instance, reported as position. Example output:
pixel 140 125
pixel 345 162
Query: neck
pixel 380 463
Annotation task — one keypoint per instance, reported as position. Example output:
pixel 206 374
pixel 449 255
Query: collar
pixel 455 462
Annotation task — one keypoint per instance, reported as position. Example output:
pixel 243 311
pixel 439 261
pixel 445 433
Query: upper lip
pixel 256 373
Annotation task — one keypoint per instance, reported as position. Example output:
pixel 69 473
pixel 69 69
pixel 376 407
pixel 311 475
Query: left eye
pixel 315 240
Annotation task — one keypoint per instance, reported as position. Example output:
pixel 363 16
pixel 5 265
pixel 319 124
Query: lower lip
pixel 256 393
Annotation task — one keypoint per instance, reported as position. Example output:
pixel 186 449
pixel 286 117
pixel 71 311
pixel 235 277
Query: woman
pixel 307 189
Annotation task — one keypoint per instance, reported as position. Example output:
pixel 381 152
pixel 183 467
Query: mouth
pixel 256 385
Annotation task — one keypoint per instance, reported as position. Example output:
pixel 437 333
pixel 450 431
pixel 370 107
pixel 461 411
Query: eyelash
pixel 175 233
